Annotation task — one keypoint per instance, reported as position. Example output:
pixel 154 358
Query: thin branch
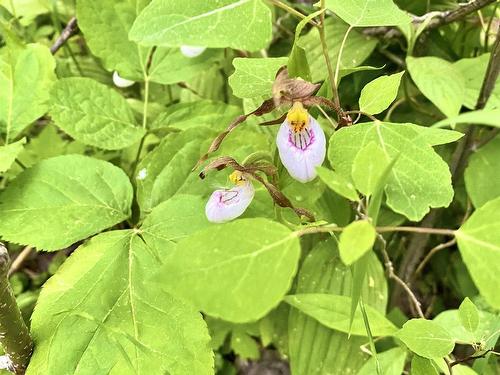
pixel 470 358
pixel 431 253
pixel 70 30
pixel 332 228
pixel 291 10
pixel 19 260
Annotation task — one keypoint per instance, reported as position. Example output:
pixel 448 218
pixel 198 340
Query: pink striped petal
pixel 228 204
pixel 301 152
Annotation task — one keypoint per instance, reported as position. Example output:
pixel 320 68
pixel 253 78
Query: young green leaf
pixel 490 117
pixel 368 167
pixel 9 153
pixel 337 183
pixel 440 81
pixel 391 361
pixel 356 239
pixel 237 271
pixel 482 179
pixel 94 114
pixel 469 315
pixel 254 78
pixel 25 81
pixel 364 13
pixel 333 312
pixel 63 200
pixel 378 94
pixel 423 366
pixel 479 244
pixel 426 338
pixel 239 24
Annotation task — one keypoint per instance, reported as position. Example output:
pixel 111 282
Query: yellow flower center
pixel 237 178
pixel 298 117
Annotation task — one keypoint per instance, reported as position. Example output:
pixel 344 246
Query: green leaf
pixel 426 338
pixel 254 78
pixel 356 49
pixel 167 170
pixel 239 24
pixel 63 200
pixel 378 94
pixel 482 179
pixel 423 366
pixel 337 183
pixel 490 117
pixel 182 116
pixel 419 179
pixel 356 240
pixel 97 316
pixel 244 345
pixel 237 271
pixel 392 362
pixel 94 114
pixel 440 82
pixel 368 167
pixel 25 82
pixel 469 315
pixel 479 244
pixel 364 13
pixel 9 153
pixel 333 311
pixel 314 348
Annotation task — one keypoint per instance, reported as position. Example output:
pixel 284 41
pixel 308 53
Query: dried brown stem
pixel 19 260
pixel 70 30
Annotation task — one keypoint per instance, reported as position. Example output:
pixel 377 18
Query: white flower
pixel 121 82
pixel 192 51
pixel 301 144
pixel 227 204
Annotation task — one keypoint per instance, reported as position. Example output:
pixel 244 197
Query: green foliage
pixel 469 315
pixel 357 239
pixel 9 153
pixel 378 94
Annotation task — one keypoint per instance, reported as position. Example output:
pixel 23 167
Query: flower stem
pixel 291 10
pixel 14 335
pixel 333 228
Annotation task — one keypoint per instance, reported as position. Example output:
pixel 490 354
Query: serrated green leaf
pixel 440 82
pixel 423 366
pixel 333 311
pixel 254 78
pixel 479 244
pixel 469 315
pixel 240 24
pixel 315 348
pixel 368 167
pixel 392 362
pixel 378 94
pixel 25 81
pixel 356 240
pixel 94 114
pixel 9 153
pixel 482 179
pixel 97 316
pixel 420 179
pixel 489 117
pixel 63 200
pixel 426 338
pixel 337 183
pixel 364 13
pixel 237 271
pixel 356 49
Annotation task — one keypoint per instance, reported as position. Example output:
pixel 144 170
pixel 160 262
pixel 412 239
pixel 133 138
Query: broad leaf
pixel 94 114
pixel 368 168
pixel 440 81
pixel 333 311
pixel 64 200
pixel 337 183
pixel 240 24
pixel 482 179
pixel 254 78
pixel 9 153
pixel 363 13
pixel 426 338
pixel 469 315
pixel 378 94
pixel 25 81
pixel 489 117
pixel 479 244
pixel 237 271
pixel 356 240
pixel 420 179
pixel 118 323
pixel 423 366
pixel 392 362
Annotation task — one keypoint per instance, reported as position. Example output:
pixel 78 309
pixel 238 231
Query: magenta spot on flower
pixel 301 140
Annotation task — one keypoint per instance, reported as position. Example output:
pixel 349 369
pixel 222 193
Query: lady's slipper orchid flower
pixel 228 204
pixel 120 81
pixel 301 144
pixel 192 51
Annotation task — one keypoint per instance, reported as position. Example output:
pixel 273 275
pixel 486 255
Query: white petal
pixel 192 51
pixel 121 82
pixel 226 205
pixel 301 164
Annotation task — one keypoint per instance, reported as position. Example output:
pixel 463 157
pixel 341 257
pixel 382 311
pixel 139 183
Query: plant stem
pixel 291 10
pixel 339 57
pixel 146 102
pixel 373 349
pixel 422 230
pixel 16 264
pixel 14 335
